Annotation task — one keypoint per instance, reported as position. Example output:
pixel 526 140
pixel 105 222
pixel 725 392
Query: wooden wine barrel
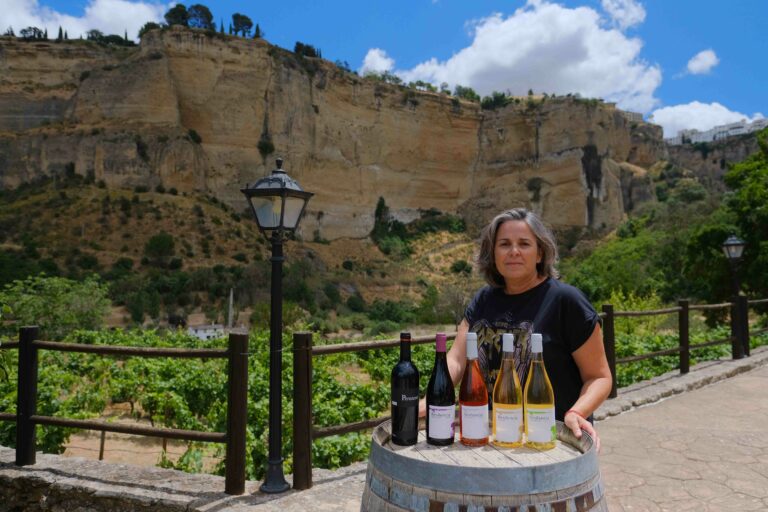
pixel 428 478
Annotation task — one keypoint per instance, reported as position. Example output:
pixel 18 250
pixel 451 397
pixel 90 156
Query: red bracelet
pixel 574 411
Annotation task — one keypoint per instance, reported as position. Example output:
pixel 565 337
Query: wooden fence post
pixel 737 347
pixel 744 324
pixel 684 328
pixel 237 413
pixel 26 397
pixel 302 410
pixel 609 341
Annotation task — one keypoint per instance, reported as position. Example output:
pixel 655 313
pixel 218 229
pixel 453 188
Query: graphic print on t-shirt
pixel 489 347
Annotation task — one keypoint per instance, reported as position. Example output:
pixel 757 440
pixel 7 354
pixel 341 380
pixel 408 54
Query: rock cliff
pixel 201 112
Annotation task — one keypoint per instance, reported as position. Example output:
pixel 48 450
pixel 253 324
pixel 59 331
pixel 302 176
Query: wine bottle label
pixel 441 421
pixel 509 423
pixel 474 421
pixel 541 424
pixel 405 399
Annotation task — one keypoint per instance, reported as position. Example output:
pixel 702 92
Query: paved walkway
pixel 675 443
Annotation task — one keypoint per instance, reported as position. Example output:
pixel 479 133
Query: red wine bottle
pixel 473 399
pixel 441 399
pixel 405 396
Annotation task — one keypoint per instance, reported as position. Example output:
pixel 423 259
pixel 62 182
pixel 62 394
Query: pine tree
pixel 230 29
pixel 221 29
pixel 65 35
pixel 126 35
pixel 60 37
pixel 257 33
pixel 45 34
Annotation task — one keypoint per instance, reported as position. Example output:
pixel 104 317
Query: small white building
pixel 632 117
pixel 206 332
pixel 717 133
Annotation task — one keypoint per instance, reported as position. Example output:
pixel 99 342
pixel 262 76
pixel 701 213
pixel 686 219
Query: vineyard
pixel 191 394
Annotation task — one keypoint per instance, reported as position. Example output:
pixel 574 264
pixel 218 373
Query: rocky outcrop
pixel 709 161
pixel 203 112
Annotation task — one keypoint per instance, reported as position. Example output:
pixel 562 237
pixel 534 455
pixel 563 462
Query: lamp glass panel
pixel 293 207
pixel 737 250
pixel 267 210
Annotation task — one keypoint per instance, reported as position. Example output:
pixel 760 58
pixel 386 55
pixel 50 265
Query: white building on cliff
pixel 717 133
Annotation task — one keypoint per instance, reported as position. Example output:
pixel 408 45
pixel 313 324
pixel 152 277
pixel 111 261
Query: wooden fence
pixel 26 416
pixel 305 432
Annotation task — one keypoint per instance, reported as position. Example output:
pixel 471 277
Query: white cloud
pixel 548 48
pixel 108 16
pixel 703 62
pixel 377 60
pixel 625 13
pixel 701 116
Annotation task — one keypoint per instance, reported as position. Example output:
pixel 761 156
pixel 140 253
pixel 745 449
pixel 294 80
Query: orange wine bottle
pixel 473 399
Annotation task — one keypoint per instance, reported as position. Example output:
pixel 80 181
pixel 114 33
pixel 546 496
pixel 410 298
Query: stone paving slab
pixel 691 450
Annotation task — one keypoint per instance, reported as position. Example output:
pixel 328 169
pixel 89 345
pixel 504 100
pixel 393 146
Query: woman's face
pixel 516 252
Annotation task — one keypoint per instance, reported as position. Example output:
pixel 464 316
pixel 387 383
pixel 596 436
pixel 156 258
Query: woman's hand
pixel 576 422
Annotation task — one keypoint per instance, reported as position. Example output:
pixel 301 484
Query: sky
pixel 681 63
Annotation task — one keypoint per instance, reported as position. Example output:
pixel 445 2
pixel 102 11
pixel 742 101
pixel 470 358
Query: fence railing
pixel 305 432
pixel 26 416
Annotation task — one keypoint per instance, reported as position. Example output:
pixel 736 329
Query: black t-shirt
pixel 558 311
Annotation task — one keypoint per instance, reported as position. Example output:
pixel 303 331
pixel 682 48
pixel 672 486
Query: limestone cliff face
pixel 132 116
pixel 710 161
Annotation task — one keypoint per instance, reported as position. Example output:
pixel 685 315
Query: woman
pixel 517 258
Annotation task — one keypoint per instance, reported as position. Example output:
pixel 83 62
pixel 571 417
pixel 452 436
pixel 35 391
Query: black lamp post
pixel 277 202
pixel 733 247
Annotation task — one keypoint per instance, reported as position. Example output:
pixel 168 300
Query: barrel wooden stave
pixel 386 493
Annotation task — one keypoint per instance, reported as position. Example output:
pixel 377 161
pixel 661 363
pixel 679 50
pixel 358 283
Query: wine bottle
pixel 441 399
pixel 473 399
pixel 405 396
pixel 507 399
pixel 539 402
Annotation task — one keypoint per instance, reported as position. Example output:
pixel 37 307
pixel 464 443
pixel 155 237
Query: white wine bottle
pixel 539 402
pixel 507 399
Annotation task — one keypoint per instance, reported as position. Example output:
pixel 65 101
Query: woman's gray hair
pixel 545 241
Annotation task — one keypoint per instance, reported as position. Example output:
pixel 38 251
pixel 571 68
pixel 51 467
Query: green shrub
pixel 461 267
pixel 194 136
pixel 356 303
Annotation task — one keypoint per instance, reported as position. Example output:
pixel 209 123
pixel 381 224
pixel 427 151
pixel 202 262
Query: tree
pixel 305 50
pixel 60 37
pixel 200 17
pixel 94 35
pixel 150 25
pixel 221 28
pixel 160 248
pixel 9 32
pixel 749 182
pixel 466 93
pixel 242 24
pixel 257 33
pixel 57 305
pixel 177 15
pixel 66 36
pixel 31 33
pixel 45 34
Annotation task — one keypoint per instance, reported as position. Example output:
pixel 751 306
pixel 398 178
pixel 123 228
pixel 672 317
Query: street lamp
pixel 277 202
pixel 733 248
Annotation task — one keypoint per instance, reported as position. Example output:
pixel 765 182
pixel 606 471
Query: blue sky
pixel 689 63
